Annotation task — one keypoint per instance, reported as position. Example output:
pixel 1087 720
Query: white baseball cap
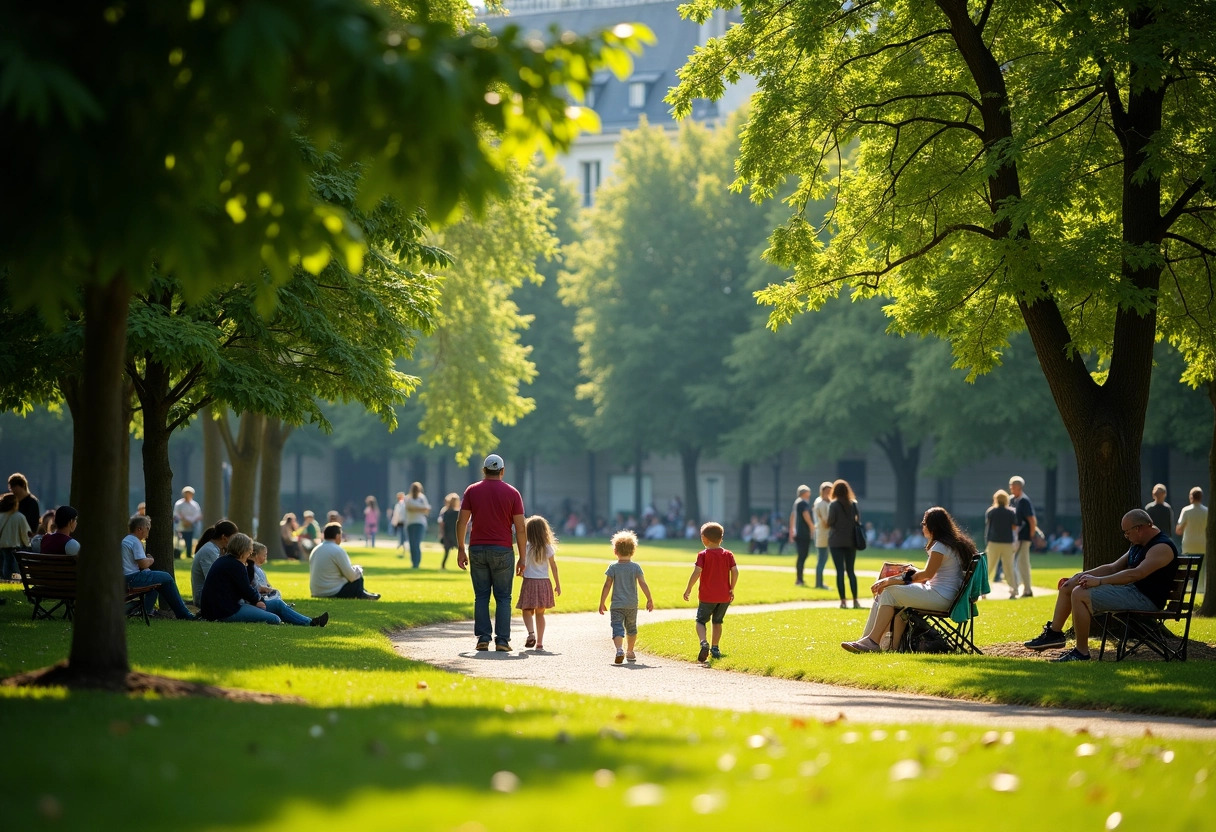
pixel 493 463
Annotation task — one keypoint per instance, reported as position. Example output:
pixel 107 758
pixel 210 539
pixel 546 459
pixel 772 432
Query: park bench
pixel 955 636
pixel 1132 629
pixel 49 582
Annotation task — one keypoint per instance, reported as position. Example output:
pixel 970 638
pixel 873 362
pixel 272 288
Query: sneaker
pixel 370 596
pixel 483 646
pixel 320 621
pixel 1073 655
pixel 502 648
pixel 704 654
pixel 715 652
pixel 531 642
pixel 631 657
pixel 620 656
pixel 1047 638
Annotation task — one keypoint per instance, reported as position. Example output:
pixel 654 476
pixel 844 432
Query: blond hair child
pixel 536 594
pixel 624 578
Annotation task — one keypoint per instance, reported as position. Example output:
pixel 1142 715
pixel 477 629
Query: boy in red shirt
pixel 718 574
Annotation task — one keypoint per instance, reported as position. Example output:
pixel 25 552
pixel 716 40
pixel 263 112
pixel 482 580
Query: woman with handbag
pixel 844 524
pixel 950 551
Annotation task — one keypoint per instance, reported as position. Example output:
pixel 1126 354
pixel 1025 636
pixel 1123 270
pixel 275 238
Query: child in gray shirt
pixel 624 578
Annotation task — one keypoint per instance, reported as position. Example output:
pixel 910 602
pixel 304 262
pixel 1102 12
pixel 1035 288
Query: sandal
pixel 531 642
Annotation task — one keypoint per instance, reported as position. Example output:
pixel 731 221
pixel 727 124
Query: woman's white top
pixel 538 570
pixel 416 510
pixel 949 576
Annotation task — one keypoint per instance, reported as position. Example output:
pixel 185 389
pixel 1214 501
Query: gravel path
pixel 578 659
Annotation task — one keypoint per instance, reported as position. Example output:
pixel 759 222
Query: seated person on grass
pixel 60 541
pixel 1139 580
pixel 260 582
pixel 229 594
pixel 330 572
pixel 137 569
pixel 210 548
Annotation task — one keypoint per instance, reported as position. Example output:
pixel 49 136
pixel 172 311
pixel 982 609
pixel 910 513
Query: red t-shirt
pixel 494 504
pixel 715 575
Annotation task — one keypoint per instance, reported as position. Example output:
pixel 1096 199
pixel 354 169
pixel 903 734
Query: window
pixel 637 95
pixel 622 491
pixel 590 182
pixel 854 472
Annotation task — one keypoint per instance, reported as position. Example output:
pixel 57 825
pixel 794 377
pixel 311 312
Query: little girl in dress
pixel 536 594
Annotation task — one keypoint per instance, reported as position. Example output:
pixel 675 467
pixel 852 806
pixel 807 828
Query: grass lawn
pixel 380 742
pixel 805 644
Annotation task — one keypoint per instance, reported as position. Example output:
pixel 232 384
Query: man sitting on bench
pixel 1140 580
pixel 138 571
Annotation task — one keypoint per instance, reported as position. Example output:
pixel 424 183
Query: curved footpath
pixel 578 659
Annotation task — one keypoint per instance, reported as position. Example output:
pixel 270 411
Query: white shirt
pixel 330 569
pixel 416 510
pixel 1194 520
pixel 656 531
pixel 760 532
pixel 538 570
pixel 132 550
pixel 186 514
pixel 819 515
pixel 949 575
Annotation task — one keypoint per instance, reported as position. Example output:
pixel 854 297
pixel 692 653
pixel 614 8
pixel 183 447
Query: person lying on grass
pixel 1139 580
pixel 932 588
pixel 231 581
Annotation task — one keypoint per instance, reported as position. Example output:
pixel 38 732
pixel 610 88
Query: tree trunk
pixel 1105 453
pixel 243 453
pixel 905 464
pixel 1208 607
pixel 1159 470
pixel 745 494
pixel 124 470
pixel 158 490
pixel 692 499
pixel 99 635
pixel 213 471
pixel 1051 499
pixel 637 482
pixel 274 436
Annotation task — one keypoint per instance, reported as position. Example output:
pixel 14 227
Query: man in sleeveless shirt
pixel 1139 580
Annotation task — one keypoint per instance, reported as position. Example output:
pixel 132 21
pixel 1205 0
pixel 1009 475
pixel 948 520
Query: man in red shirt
pixel 718 574
pixel 497 512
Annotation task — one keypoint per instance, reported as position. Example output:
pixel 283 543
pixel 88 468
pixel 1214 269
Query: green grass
pixel 372 748
pixel 805 644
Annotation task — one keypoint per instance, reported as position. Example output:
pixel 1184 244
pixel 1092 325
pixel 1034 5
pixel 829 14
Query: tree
pixel 666 229
pixel 203 106
pixel 1017 164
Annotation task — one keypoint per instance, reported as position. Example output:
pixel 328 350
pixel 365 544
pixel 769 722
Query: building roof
pixel 675 39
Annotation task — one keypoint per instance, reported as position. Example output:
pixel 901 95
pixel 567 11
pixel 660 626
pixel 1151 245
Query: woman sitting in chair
pixel 932 588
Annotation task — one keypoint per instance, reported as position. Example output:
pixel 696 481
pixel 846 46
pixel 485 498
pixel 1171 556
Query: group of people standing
pixel 833 521
pixel 1010 525
pixel 408 517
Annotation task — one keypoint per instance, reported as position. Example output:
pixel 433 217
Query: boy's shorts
pixel 706 610
pixel 624 621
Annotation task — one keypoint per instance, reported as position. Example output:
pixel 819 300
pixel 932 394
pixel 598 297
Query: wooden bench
pixel 49 582
pixel 1132 629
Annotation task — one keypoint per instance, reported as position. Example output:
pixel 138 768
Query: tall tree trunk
pixel 745 494
pixel 243 452
pixel 274 437
pixel 777 486
pixel 692 502
pixel 212 501
pixel 591 518
pixel 73 395
pixel 124 472
pixel 1051 498
pixel 638 457
pixel 99 635
pixel 158 489
pixel 418 471
pixel 1208 607
pixel 1105 422
pixel 905 464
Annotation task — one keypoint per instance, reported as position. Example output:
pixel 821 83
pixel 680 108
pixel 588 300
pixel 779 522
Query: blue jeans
pixel 279 607
pixel 415 531
pixel 8 563
pixel 168 590
pixel 188 541
pixel 492 570
pixel 249 614
pixel 823 561
pixel 401 535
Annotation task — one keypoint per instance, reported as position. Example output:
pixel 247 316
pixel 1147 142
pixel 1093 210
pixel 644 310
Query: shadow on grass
pixel 231 765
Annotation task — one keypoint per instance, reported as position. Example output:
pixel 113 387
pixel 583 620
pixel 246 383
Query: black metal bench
pixel 1132 629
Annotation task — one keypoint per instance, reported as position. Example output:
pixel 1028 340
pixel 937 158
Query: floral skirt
pixel 536 594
